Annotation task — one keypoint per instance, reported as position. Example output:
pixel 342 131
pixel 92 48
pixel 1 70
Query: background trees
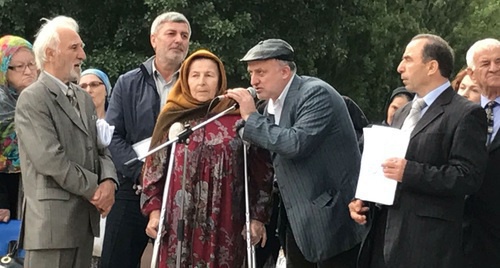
pixel 354 45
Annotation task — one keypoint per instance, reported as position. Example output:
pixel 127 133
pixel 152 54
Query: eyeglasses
pixel 21 68
pixel 93 84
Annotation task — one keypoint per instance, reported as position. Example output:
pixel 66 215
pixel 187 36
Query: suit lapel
pixel 266 114
pixel 495 144
pixel 62 101
pixel 434 111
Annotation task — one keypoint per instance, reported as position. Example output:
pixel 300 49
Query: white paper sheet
pixel 141 148
pixel 380 143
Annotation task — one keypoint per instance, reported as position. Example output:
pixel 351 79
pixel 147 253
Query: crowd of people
pixel 67 138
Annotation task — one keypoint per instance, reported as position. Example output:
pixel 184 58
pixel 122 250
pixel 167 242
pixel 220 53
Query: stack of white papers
pixel 380 143
pixel 141 148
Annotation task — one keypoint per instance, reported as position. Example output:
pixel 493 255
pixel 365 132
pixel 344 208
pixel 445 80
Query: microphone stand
pixel 180 221
pixel 156 247
pixel 181 137
pixel 187 132
pixel 251 261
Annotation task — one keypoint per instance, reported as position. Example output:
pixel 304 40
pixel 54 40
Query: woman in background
pixel 96 83
pixel 17 71
pixel 399 98
pixel 465 87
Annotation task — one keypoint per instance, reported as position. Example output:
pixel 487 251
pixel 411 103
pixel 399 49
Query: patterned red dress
pixel 214 199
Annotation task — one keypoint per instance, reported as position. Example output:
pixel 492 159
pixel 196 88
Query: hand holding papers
pixel 380 143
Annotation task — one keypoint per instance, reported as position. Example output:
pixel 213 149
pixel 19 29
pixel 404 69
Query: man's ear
pixel 152 40
pixel 433 67
pixel 50 53
pixel 286 72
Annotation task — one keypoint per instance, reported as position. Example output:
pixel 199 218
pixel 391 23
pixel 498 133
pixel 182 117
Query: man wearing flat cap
pixel 307 129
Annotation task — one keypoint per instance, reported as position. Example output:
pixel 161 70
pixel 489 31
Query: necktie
pixel 489 119
pixel 71 96
pixel 72 99
pixel 414 115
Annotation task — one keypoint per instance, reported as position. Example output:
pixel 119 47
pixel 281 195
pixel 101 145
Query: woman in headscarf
pixel 17 71
pixel 399 98
pixel 96 83
pixel 214 210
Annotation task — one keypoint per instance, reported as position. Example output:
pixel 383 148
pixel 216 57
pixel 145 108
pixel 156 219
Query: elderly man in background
pixel 137 99
pixel 482 237
pixel 67 180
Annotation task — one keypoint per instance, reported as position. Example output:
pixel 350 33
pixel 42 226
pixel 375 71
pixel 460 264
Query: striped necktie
pixel 489 119
pixel 71 97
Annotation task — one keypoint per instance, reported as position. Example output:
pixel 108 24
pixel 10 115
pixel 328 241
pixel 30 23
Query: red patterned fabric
pixel 214 200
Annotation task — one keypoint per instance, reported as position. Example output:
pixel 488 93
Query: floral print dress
pixel 214 200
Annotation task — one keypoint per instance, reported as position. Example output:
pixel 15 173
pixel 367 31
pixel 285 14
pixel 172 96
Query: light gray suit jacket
pixel 316 160
pixel 60 164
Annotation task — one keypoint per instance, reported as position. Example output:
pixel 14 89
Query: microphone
pixel 174 130
pixel 250 90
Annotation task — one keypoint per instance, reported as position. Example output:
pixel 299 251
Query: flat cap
pixel 270 49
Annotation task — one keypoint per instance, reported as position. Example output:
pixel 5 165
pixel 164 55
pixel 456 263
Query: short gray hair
pixel 291 64
pixel 48 37
pixel 480 46
pixel 169 17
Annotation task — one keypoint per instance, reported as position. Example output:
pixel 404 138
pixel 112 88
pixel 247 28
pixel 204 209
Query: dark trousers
pixel 295 258
pixel 269 254
pixel 482 247
pixel 125 237
pixel 378 238
pixel 9 192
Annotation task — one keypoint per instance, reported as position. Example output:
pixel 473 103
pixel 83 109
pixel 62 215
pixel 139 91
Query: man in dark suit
pixel 67 180
pixel 445 161
pixel 482 236
pixel 315 154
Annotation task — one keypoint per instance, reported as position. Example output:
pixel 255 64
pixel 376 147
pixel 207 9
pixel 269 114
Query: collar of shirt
pixel 61 85
pixel 275 107
pixel 159 78
pixel 485 101
pixel 163 87
pixel 433 95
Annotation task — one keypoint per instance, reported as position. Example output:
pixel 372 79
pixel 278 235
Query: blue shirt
pixel 433 95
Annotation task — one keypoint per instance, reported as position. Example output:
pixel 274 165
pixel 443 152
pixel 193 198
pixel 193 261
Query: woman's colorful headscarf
pixel 9 45
pixel 9 154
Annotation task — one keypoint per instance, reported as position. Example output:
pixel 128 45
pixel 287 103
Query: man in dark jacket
pixel 137 99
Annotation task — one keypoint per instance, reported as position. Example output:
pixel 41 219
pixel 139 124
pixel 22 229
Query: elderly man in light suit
pixel 307 128
pixel 67 180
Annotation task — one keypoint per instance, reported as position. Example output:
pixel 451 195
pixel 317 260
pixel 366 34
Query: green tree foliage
pixel 354 45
